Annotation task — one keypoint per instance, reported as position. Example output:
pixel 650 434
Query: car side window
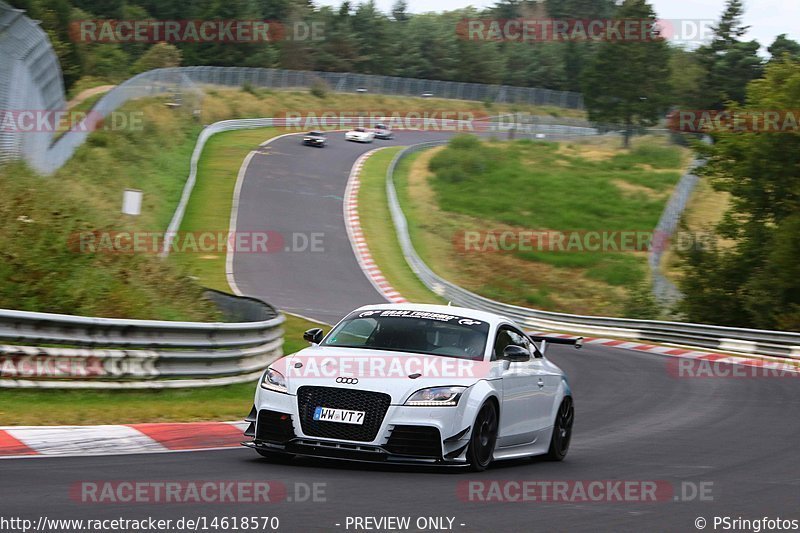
pixel 505 336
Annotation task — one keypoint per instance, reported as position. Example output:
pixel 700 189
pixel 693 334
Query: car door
pixel 548 380
pixel 521 391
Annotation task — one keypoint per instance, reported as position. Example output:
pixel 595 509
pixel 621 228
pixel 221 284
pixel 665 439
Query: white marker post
pixel 132 202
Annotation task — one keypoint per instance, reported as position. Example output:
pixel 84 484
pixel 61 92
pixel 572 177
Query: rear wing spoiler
pixel 544 340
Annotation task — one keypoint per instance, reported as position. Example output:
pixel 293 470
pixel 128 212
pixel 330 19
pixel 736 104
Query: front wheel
pixel 562 430
pixel 483 439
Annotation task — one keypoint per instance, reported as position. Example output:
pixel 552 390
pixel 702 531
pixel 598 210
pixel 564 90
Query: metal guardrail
pixel 187 82
pixel 30 79
pixel 776 343
pixel 107 353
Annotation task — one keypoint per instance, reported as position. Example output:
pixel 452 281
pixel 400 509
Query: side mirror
pixel 516 354
pixel 314 335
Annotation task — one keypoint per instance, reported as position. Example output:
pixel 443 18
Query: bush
pixel 319 88
pixel 249 88
pixel 465 158
pixel 641 303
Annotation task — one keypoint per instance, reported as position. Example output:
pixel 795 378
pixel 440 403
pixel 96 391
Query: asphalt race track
pixel 294 189
pixel 635 421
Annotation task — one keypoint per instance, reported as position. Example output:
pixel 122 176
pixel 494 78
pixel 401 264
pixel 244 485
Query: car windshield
pixel 412 331
pixel 316 133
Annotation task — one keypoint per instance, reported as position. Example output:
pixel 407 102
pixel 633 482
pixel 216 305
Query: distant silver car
pixel 361 135
pixel 382 131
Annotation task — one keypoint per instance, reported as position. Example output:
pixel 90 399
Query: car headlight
pixel 274 381
pixel 436 397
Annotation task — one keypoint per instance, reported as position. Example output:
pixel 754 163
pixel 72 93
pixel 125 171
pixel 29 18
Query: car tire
pixel 562 430
pixel 483 438
pixel 275 457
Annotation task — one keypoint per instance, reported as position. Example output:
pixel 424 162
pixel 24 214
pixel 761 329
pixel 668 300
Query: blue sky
pixel 767 18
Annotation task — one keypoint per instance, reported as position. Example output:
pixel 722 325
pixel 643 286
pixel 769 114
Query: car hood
pixel 398 374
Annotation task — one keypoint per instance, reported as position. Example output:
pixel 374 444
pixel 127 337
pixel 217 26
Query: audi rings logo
pixel 347 381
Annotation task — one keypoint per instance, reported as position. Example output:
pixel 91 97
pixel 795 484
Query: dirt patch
pixel 632 189
pixel 591 151
pixel 88 93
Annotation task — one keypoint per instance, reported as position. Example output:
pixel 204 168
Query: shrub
pixel 319 88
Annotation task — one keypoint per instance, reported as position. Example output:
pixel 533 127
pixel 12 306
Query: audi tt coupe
pixel 415 384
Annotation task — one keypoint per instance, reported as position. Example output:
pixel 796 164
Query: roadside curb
pixel 683 353
pixel 75 441
pixel 356 234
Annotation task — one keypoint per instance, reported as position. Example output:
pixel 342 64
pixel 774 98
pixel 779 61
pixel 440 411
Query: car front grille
pixel 419 441
pixel 274 427
pixel 374 405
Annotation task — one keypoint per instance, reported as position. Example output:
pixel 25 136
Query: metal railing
pixel 776 343
pixel 30 79
pixel 65 351
pixel 188 82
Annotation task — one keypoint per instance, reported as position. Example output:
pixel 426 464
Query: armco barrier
pixel 108 353
pixel 776 343
pixel 186 83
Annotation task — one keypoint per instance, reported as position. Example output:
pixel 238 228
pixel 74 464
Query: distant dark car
pixel 315 138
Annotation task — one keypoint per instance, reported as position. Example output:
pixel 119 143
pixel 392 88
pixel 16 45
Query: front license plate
pixel 342 416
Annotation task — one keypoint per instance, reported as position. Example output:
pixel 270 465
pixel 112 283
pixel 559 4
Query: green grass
pixel 43 267
pixel 45 407
pixel 376 222
pixel 532 186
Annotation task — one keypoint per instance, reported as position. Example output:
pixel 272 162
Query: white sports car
pixel 415 383
pixel 361 135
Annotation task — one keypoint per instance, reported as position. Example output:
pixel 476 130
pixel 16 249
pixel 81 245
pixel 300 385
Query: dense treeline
pixel 360 38
pixel 753 278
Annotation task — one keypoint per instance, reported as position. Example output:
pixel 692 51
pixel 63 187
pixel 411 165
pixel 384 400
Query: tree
pixel 686 79
pixel 730 63
pixel 627 81
pixel 782 47
pixel 580 9
pixel 108 61
pixel 161 55
pixel 755 282
pixel 400 11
